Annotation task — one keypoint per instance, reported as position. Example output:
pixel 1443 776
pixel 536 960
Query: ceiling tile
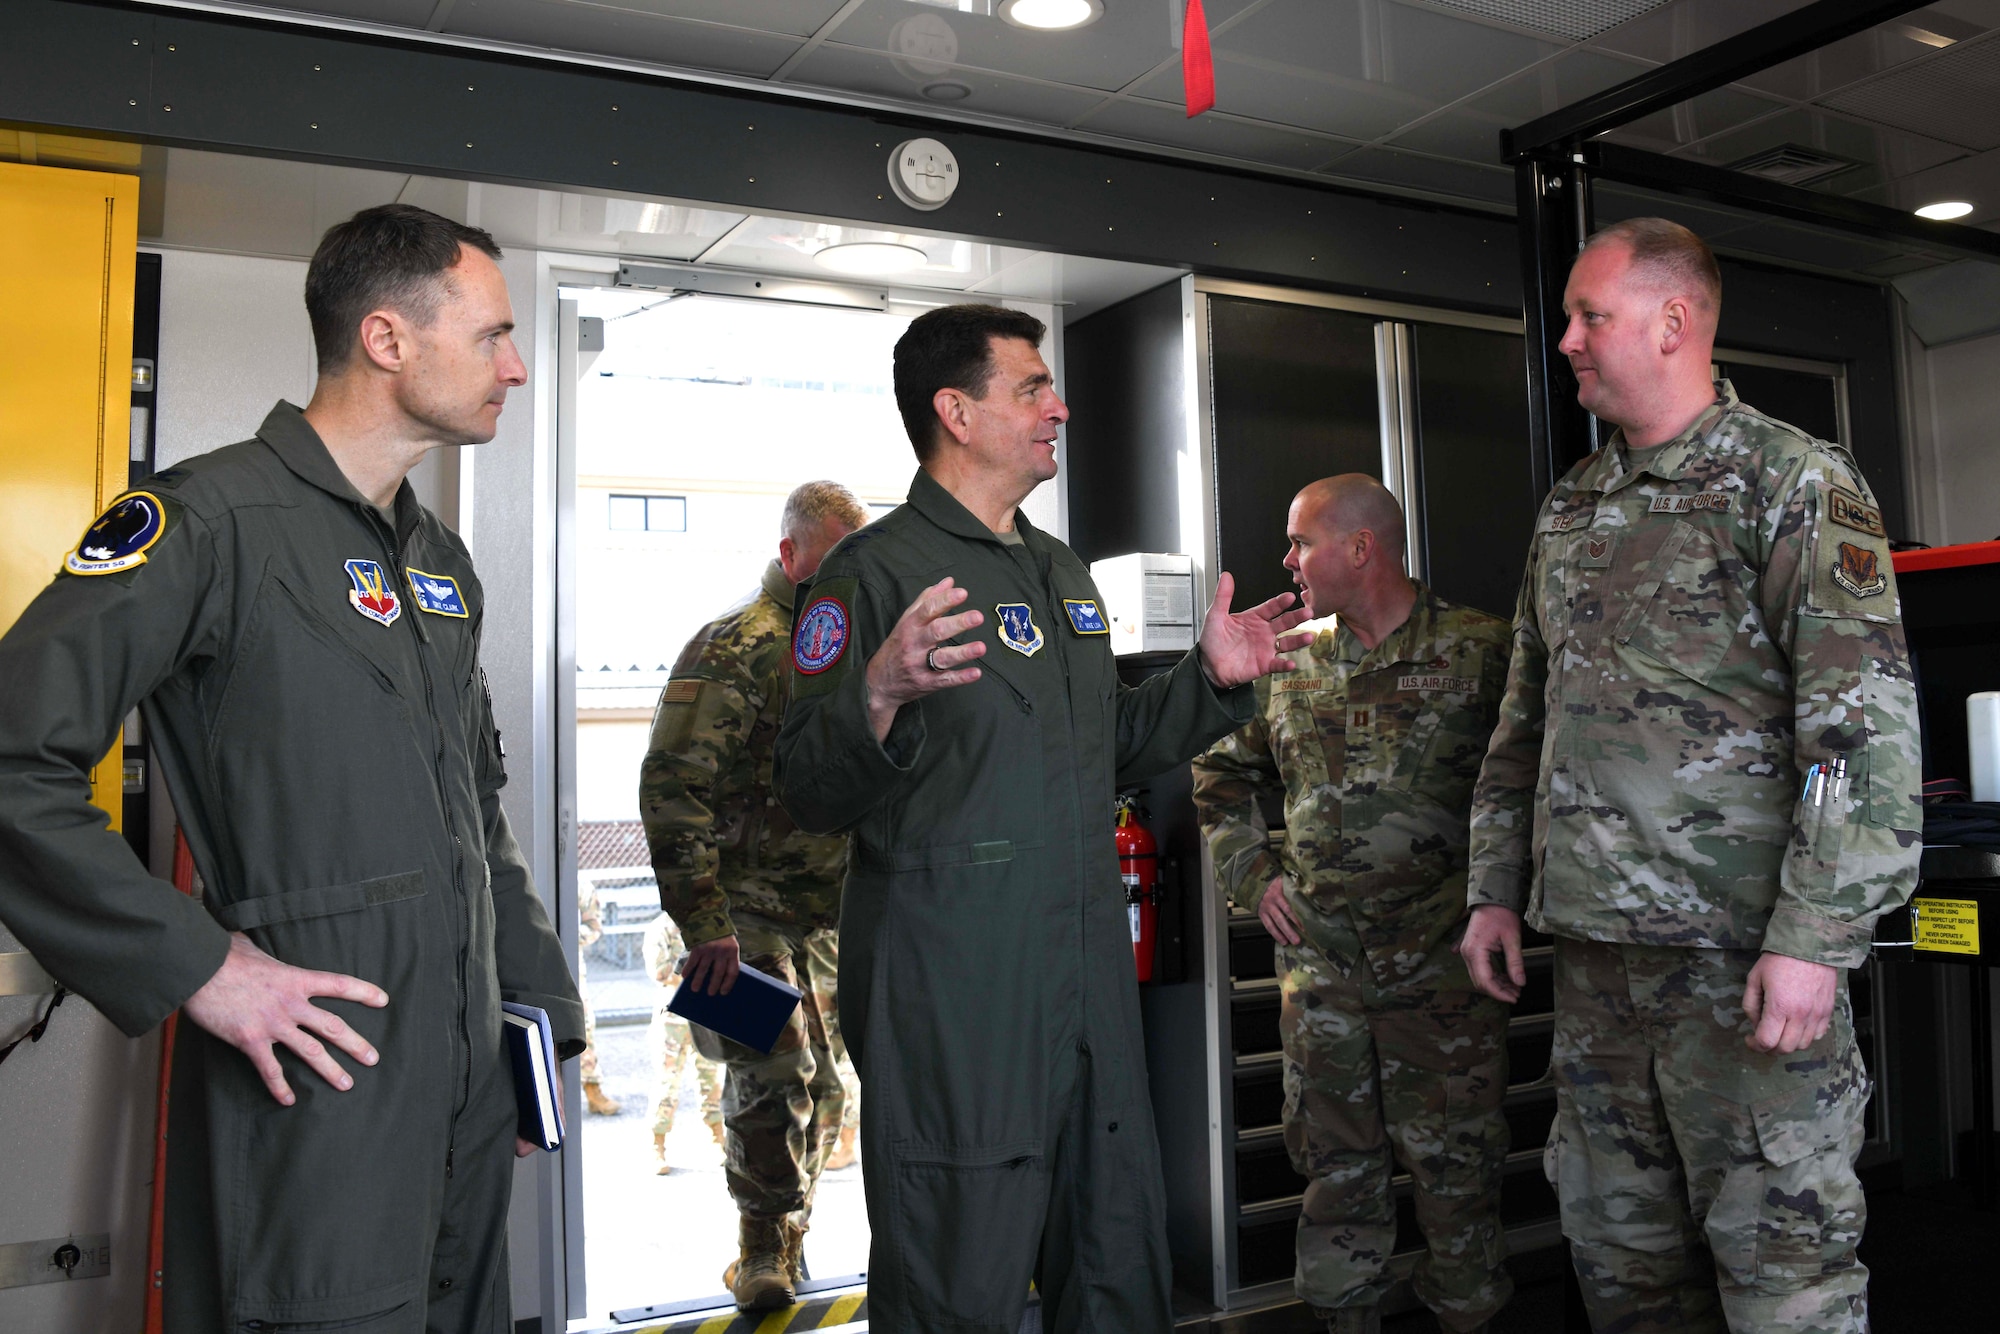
pixel 1128 41
pixel 1224 136
pixel 1436 58
pixel 1287 96
pixel 1692 25
pixel 1459 133
pixel 1574 19
pixel 1554 84
pixel 1891 153
pixel 1849 60
pixel 1495 184
pixel 625 33
pixel 1953 96
pixel 1822 247
pixel 849 70
pixel 403 13
pixel 798 18
pixel 1699 118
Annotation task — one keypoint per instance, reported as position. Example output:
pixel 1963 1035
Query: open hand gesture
pixel 1237 648
pixel 913 662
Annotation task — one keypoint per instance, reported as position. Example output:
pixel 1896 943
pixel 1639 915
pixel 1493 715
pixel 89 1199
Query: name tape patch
pixel 119 539
pixel 822 636
pixel 372 595
pixel 1565 520
pixel 1086 617
pixel 437 594
pixel 1722 502
pixel 1461 685
pixel 1851 511
pixel 1299 683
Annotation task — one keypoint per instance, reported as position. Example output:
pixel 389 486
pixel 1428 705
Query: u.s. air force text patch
pixel 1720 501
pixel 1428 682
pixel 121 536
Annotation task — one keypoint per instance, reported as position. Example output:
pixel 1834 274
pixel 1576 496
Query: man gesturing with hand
pixel 1704 785
pixel 956 709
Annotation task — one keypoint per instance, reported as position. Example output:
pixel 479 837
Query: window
pixel 649 514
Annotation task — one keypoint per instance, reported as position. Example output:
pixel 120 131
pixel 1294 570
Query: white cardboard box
pixel 1149 600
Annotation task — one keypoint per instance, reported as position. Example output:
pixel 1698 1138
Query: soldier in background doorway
pixel 744 884
pixel 672 1041
pixel 1704 784
pixel 1373 742
pixel 590 930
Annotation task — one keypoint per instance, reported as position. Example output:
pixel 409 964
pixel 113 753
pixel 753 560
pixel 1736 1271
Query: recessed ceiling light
pixel 1051 15
pixel 946 90
pixel 1945 211
pixel 871 258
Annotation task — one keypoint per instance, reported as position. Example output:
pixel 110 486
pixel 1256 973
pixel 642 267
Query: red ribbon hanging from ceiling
pixel 1197 66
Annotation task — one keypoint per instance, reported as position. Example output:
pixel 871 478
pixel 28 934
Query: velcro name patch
pixel 1851 511
pixel 1460 685
pixel 1298 683
pixel 1564 520
pixel 1722 502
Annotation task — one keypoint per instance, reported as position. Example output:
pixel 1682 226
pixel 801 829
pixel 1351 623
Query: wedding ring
pixel 930 661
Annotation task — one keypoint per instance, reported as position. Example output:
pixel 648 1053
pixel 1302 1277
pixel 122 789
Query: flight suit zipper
pixel 457 854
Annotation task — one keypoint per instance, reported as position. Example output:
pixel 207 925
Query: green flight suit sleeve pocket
pixel 325 901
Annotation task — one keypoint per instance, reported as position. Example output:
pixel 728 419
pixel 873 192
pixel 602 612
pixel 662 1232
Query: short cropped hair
pixel 951 348
pixel 812 503
pixel 1671 254
pixel 392 257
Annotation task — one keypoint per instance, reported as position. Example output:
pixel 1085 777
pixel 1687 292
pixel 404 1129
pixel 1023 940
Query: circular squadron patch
pixel 821 637
pixel 120 537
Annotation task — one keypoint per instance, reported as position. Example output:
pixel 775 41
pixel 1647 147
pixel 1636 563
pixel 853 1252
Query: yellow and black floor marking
pixel 840 1308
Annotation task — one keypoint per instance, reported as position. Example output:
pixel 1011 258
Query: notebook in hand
pixel 754 1012
pixel 531 1046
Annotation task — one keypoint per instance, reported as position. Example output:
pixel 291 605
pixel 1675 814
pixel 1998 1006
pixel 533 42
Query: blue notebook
pixel 531 1046
pixel 754 1012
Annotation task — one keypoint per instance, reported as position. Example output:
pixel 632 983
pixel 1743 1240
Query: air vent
pixel 1577 20
pixel 1789 164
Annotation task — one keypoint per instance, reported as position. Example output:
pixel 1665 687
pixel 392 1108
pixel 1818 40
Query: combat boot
pixel 1355 1320
pixel 795 1253
pixel 760 1279
pixel 843 1152
pixel 595 1102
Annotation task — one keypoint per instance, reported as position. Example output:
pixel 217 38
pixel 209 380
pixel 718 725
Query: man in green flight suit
pixel 986 960
pixel 1704 785
pixel 1373 743
pixel 745 884
pixel 302 637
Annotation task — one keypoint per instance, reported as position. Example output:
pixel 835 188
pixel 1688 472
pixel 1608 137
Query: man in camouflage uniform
pixel 1708 624
pixel 1373 741
pixel 590 930
pixel 672 1041
pixel 742 882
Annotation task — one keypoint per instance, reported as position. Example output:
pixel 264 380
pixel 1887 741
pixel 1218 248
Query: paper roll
pixel 1982 728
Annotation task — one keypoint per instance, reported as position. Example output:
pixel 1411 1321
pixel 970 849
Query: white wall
pixel 1964 444
pixel 233 341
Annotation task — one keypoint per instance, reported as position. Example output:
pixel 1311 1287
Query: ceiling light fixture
pixel 871 258
pixel 1051 15
pixel 1945 211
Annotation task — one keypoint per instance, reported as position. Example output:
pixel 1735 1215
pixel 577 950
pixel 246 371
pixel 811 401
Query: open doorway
pixel 695 417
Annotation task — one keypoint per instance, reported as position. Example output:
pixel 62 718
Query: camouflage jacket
pixel 1375 752
pixel 719 839
pixel 1696 629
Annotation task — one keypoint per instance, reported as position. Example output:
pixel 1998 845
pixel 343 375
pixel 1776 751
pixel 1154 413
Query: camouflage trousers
pixel 1413 1072
pixel 673 1042
pixel 1704 1185
pixel 586 1064
pixel 825 949
pixel 782 1112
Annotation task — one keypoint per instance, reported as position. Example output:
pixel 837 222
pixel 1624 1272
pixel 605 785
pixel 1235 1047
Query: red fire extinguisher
pixel 1139 868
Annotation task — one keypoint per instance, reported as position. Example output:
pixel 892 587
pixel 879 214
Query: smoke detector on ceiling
pixel 1791 164
pixel 923 173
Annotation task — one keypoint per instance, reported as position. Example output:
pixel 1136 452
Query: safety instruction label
pixel 1946 926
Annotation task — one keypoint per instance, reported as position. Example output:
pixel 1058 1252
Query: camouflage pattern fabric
pixel 670 1037
pixel 589 930
pixel 824 947
pixel 1415 1071
pixel 781 1112
pixel 718 837
pixel 1374 752
pixel 1703 1185
pixel 1699 624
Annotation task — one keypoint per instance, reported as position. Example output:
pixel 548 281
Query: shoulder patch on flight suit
pixel 821 634
pixel 121 536
pixel 437 594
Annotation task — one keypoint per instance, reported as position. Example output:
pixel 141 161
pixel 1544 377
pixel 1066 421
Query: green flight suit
pixel 986 977
pixel 309 677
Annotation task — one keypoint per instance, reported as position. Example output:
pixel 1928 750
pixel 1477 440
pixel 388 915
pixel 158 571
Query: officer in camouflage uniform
pixel 672 1040
pixel 1709 617
pixel 742 882
pixel 1373 742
